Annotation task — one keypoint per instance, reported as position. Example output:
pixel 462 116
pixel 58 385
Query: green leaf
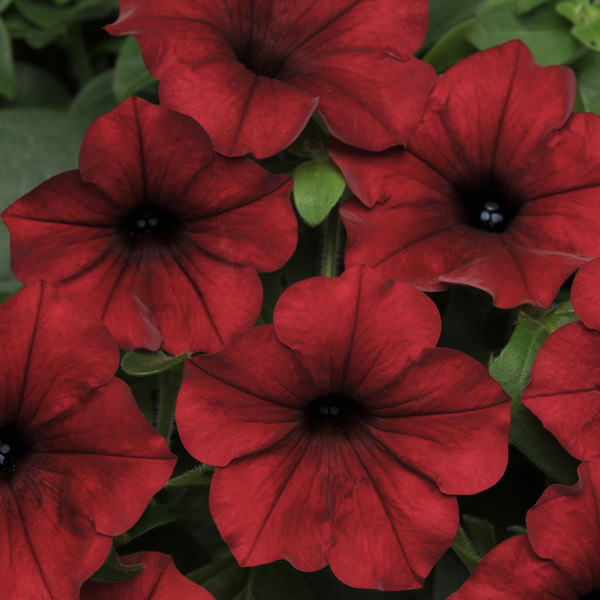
pixel 113 570
pixel 464 550
pixel 34 145
pixel 546 34
pixel 444 15
pixel 4 4
pixel 156 515
pixel 131 75
pixel 38 87
pixel 587 70
pixel 226 580
pixel 588 34
pixel 318 185
pixel 198 477
pixel 95 98
pixel 145 362
pixel 516 529
pixel 448 575
pixel 585 16
pixel 47 16
pixel 452 47
pixel 8 81
pixel 481 533
pixel 512 369
pixel 525 6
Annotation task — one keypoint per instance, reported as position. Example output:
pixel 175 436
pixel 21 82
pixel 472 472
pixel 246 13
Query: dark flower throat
pixel 489 204
pixel 334 410
pixel 12 449
pixel 149 221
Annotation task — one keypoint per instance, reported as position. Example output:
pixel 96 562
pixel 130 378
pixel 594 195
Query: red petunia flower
pixel 73 446
pixel 563 391
pixel 253 72
pixel 344 433
pixel 498 188
pixel 160 580
pixel 558 559
pixel 155 233
pixel 585 295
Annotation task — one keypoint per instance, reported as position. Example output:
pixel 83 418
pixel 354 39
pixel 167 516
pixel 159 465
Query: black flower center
pixel 595 595
pixel 489 203
pixel 261 57
pixel 12 449
pixel 149 221
pixel 333 410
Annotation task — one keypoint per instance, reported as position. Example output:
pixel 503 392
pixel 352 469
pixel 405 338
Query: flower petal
pixel 564 389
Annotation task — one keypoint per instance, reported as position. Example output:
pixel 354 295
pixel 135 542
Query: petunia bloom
pixel 159 580
pixel 343 432
pixel 498 188
pixel 563 391
pixel 158 235
pixel 73 446
pixel 585 295
pixel 252 72
pixel 558 559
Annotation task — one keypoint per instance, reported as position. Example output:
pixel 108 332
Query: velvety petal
pixel 33 321
pixel 65 218
pixel 492 109
pixel 255 389
pixel 585 296
pixel 242 112
pixel 307 500
pixel 160 580
pixel 95 464
pixel 230 66
pixel 31 566
pixel 511 571
pixel 289 516
pixel 139 152
pixel 344 82
pixel 564 389
pixel 447 418
pixel 241 192
pixel 564 526
pixel 391 525
pixel 355 333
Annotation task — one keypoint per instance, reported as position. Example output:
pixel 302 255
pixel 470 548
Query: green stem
pixel 332 243
pixel 464 549
pixel 170 382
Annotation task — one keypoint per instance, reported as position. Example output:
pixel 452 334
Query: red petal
pixel 160 580
pixel 139 152
pixel 564 525
pixel 255 389
pixel 585 296
pixel 447 418
pixel 564 389
pixel 512 571
pixel 356 332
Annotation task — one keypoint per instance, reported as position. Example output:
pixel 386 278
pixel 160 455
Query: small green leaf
pixel 481 533
pixel 464 549
pixel 131 75
pixel 587 70
pixel 516 529
pixel 547 35
pixel 585 16
pixel 199 477
pixel 570 10
pixel 318 185
pixel 452 47
pixel 47 16
pixel 156 515
pixel 588 34
pixel 8 81
pixel 4 4
pixel 444 15
pixel 146 362
pixel 525 6
pixel 113 570
pixel 512 369
pixel 95 98
pixel 226 580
